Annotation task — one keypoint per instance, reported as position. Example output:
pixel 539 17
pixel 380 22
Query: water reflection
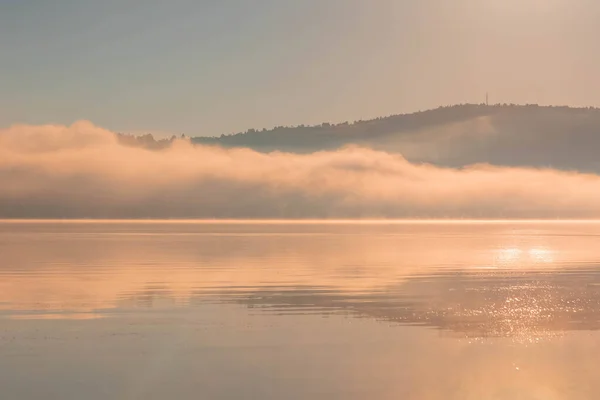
pixel 222 311
pixel 524 256
pixel 526 306
pixel 522 280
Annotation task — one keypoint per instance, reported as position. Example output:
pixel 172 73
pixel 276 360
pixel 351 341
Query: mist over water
pixel 82 171
pixel 360 307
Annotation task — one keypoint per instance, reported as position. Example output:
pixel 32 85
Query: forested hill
pixel 330 136
pixel 524 135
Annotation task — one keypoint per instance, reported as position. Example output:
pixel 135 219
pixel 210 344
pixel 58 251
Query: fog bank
pixel 81 171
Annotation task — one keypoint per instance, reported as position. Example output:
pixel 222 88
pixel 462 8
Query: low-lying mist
pixel 82 171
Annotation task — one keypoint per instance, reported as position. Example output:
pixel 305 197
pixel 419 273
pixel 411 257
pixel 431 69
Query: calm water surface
pixel 190 310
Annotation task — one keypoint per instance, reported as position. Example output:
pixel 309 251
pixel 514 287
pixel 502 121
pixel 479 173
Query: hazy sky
pixel 206 67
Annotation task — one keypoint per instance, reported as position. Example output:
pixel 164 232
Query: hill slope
pixel 531 135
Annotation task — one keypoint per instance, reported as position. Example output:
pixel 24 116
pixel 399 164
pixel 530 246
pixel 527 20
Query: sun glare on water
pixel 516 256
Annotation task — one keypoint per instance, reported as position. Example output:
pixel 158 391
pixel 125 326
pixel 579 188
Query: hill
pixel 509 135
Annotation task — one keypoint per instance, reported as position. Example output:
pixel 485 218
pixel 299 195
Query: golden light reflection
pixel 542 255
pixel 509 255
pixel 524 257
pixel 434 275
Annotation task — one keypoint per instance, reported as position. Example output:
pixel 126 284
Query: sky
pixel 208 67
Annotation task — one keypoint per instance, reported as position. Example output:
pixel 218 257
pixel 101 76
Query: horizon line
pixel 275 221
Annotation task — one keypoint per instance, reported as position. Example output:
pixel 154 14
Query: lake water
pixel 314 310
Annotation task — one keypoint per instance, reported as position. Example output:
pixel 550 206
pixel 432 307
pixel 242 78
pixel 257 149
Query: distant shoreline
pixel 301 221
